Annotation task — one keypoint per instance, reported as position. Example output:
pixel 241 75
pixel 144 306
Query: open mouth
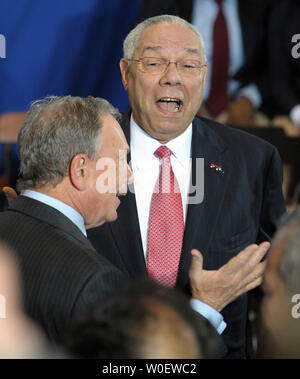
pixel 170 104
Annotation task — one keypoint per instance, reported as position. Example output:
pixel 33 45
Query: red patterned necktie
pixel 217 100
pixel 166 224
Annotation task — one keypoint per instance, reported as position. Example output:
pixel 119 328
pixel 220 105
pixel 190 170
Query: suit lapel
pixel 126 229
pixel 202 217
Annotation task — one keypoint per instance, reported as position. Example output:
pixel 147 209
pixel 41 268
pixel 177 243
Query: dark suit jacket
pixel 61 272
pixel 240 207
pixel 253 16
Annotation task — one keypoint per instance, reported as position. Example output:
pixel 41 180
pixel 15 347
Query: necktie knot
pixel 219 2
pixel 163 152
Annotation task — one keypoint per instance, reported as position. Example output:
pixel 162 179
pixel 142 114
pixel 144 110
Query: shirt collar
pixel 65 209
pixel 144 145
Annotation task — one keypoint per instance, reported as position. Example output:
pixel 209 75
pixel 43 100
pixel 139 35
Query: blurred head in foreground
pixel 19 336
pixel 280 309
pixel 144 320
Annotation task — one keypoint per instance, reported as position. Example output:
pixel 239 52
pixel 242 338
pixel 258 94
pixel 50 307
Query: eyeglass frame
pixel 167 62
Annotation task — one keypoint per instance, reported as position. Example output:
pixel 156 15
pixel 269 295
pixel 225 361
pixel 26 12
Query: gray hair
pixel 56 129
pixel 132 40
pixel 289 266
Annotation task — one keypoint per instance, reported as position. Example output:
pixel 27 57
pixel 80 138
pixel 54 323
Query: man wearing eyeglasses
pixel 197 184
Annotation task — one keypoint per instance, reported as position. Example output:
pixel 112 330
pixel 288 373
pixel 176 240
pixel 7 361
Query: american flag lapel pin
pixel 217 168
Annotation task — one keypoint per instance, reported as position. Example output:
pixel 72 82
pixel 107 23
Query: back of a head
pixel 143 320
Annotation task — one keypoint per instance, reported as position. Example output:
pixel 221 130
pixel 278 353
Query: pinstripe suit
pixel 61 272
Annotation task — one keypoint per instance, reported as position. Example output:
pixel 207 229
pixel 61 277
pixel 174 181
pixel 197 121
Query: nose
pixel 171 76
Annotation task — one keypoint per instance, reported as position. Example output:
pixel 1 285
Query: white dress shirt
pixel 204 15
pixel 145 168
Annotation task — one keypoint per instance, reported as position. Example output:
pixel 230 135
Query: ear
pixel 78 171
pixel 124 72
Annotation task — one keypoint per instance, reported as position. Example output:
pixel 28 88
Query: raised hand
pixel 242 273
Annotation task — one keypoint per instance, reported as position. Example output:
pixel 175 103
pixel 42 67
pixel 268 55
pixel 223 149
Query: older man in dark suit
pixel 60 144
pixel 164 70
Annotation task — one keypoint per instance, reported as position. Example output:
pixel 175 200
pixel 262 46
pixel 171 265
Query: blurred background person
pixel 284 63
pixel 144 320
pixel 280 309
pixel 19 336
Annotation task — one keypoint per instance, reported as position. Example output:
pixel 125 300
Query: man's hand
pixel 10 194
pixel 242 273
pixel 241 112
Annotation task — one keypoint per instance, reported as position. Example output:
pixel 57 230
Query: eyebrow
pixel 158 48
pixel 193 51
pixel 151 48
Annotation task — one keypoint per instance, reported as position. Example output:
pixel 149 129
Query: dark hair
pixel 117 327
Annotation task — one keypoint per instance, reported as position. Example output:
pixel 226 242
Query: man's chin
pixel 109 218
pixel 112 217
pixel 94 225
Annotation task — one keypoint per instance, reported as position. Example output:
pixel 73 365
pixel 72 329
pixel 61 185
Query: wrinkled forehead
pixel 170 37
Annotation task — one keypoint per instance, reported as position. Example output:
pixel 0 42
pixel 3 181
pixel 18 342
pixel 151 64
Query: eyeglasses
pixel 151 65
